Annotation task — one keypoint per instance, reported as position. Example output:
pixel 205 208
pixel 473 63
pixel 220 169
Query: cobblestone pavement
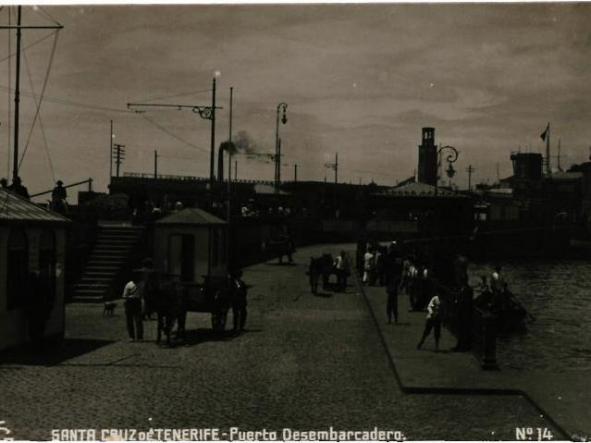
pixel 306 362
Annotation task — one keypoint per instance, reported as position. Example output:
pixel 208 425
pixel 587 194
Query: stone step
pixel 98 274
pixel 87 280
pixel 91 286
pixel 86 298
pixel 104 267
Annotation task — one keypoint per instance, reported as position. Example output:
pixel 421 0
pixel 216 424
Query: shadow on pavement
pixel 202 335
pixel 52 354
pixel 323 294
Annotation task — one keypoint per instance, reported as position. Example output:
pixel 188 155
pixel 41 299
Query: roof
pixel 565 176
pixel 262 188
pixel 14 208
pixel 191 216
pixel 415 189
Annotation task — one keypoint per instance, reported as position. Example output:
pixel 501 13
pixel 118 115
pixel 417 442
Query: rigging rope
pixel 36 42
pixel 45 81
pixel 41 127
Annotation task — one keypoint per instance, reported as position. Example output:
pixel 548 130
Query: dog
pixel 109 308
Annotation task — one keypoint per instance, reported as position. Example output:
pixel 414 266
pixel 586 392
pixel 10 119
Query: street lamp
pixel 451 158
pixel 281 109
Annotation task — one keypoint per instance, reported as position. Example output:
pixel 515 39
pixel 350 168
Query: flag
pixel 544 134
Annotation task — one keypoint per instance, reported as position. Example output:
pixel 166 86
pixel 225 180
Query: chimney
pixel 428 158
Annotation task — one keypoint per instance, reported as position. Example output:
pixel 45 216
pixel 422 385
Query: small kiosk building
pixel 32 242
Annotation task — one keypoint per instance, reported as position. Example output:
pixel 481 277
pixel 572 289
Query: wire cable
pixel 41 127
pixel 65 102
pixel 43 88
pixel 172 134
pixel 182 94
pixel 36 42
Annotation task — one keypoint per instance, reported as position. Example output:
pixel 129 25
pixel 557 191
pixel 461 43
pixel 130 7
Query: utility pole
pixel 212 154
pixel 498 174
pixel 295 173
pixel 119 157
pixel 281 108
pixel 470 171
pixel 155 164
pixel 336 168
pixel 205 112
pixel 111 153
pixel 230 138
pixel 235 170
pixel 558 158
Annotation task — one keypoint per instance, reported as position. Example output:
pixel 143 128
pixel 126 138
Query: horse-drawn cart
pixel 190 247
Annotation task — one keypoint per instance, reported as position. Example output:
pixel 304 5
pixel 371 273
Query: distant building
pixel 428 158
pixel 32 240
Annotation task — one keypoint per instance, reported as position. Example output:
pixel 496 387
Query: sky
pixel 359 80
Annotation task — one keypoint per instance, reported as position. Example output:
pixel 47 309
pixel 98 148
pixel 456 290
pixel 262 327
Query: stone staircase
pixel 108 258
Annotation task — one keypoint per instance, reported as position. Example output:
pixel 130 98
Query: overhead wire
pixel 65 102
pixel 181 94
pixel 172 134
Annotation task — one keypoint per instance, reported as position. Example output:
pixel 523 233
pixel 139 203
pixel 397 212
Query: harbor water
pixel 557 294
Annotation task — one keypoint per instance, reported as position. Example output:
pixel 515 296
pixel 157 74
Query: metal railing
pixel 49 191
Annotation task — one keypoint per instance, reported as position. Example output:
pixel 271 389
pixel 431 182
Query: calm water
pixel 558 294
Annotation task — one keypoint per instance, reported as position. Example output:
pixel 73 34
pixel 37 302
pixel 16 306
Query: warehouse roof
pixel 14 208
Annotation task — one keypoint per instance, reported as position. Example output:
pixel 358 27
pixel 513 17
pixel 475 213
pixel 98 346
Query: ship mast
pixel 17 85
pixel 17 94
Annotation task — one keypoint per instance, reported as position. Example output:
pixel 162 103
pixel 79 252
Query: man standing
pixel 393 282
pixel 433 322
pixel 341 268
pixel 239 293
pixel 58 198
pixel 133 311
pixel 368 265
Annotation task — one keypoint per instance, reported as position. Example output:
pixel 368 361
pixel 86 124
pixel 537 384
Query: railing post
pixel 90 185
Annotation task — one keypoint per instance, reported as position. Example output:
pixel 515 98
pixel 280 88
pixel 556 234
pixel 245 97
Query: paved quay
pixel 559 395
pixel 306 362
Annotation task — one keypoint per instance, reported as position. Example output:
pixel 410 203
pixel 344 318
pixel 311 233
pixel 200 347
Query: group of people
pixel 406 273
pixel 324 266
pixel 147 294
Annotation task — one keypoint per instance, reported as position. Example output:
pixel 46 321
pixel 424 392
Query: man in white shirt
pixel 433 321
pixel 133 311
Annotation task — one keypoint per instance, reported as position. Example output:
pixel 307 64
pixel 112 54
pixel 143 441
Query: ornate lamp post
pixel 281 109
pixel 451 158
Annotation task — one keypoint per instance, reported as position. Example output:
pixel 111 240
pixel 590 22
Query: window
pixel 47 263
pixel 17 268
